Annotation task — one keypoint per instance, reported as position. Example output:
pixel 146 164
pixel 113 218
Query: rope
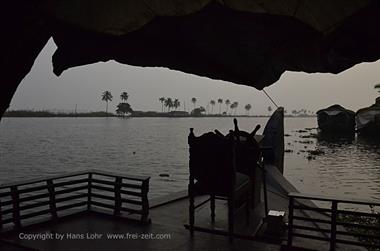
pixel 270 98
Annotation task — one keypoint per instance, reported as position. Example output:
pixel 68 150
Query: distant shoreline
pixel 139 114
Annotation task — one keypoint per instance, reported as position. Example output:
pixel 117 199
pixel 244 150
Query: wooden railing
pixel 330 226
pixel 29 201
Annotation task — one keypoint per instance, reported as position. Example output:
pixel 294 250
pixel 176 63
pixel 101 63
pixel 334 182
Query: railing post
pixel 1 217
pixel 117 208
pixel 145 201
pixel 52 204
pixel 16 206
pixel 334 208
pixel 290 221
pixel 89 191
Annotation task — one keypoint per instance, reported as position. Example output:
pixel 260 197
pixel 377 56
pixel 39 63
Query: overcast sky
pixel 41 89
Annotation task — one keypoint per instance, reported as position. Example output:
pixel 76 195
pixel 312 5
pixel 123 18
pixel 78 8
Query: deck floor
pixel 178 237
pixel 167 219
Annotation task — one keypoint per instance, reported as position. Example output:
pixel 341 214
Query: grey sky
pixel 41 89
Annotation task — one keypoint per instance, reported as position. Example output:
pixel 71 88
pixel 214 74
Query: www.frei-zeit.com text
pixel 94 236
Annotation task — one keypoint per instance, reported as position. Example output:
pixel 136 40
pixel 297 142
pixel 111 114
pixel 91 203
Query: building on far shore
pixel 160 114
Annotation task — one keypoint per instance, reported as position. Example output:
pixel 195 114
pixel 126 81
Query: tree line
pixel 123 108
pixel 225 107
pixel 230 107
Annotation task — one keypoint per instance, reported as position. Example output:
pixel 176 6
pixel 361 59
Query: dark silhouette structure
pixel 213 172
pixel 336 119
pixel 241 42
pixel 224 168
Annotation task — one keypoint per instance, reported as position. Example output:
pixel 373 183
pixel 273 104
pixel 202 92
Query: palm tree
pixel 124 96
pixel 169 103
pixel 227 102
pixel 377 86
pixel 247 108
pixel 236 105
pixel 162 100
pixel 107 96
pixel 194 101
pixel 220 102
pixel 176 104
pixel 269 109
pixel 232 107
pixel 212 102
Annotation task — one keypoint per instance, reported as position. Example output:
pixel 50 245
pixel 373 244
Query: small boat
pixel 336 119
pixel 368 119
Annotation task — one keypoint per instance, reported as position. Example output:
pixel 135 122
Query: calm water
pixel 33 147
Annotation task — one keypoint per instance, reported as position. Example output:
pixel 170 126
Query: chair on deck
pixel 213 172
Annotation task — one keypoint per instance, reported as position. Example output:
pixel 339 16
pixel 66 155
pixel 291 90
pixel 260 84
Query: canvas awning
pixel 249 42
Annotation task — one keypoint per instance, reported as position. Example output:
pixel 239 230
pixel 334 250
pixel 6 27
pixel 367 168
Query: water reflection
pixel 334 164
pixel 335 139
pixel 314 162
pixel 368 142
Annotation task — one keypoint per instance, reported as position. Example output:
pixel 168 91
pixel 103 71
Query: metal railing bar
pixel 315 209
pixel 311 219
pixel 332 198
pixel 347 212
pixel 353 225
pixel 71 182
pixel 307 236
pixel 70 190
pixel 312 229
pixel 110 174
pixel 357 243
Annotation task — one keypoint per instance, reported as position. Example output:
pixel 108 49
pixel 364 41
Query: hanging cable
pixel 270 98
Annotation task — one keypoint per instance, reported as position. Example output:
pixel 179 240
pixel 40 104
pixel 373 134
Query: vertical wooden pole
pixel 117 208
pixel 263 172
pixel 231 194
pixel 231 215
pixel 212 207
pixel 145 201
pixel 191 183
pixel 290 222
pixel 52 204
pixel 89 191
pixel 1 217
pixel 16 206
pixel 248 206
pixel 334 209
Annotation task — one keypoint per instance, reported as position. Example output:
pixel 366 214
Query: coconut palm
pixel 220 102
pixel 176 104
pixel 227 102
pixel 247 108
pixel 232 107
pixel 162 100
pixel 236 104
pixel 212 102
pixel 107 96
pixel 194 101
pixel 377 87
pixel 124 96
pixel 169 103
pixel 269 109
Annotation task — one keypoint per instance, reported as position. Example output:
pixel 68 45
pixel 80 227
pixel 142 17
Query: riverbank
pixel 47 114
pixel 138 114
